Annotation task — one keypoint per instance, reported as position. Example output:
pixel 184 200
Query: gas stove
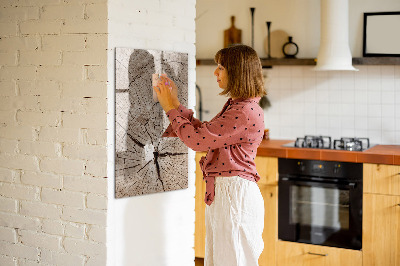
pixel 325 142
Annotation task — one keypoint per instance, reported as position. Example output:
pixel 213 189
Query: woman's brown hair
pixel 245 78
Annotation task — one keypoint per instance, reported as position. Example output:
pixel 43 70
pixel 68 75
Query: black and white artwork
pixel 145 162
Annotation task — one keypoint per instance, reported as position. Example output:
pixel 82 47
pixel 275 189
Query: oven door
pixel 321 212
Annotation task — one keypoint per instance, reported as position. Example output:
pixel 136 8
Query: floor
pixel 199 262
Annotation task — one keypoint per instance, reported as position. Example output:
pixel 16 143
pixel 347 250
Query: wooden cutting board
pixel 232 35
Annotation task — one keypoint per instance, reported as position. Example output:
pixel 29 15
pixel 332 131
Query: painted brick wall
pixel 53 106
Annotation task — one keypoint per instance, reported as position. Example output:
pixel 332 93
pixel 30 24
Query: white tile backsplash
pixel 364 103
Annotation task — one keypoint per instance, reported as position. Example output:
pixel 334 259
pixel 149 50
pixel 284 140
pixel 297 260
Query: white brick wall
pixel 53 110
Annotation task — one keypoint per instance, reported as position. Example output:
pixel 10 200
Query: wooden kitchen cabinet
pixel 381 215
pixel 267 168
pixel 200 207
pixel 381 179
pixel 381 230
pixel 298 254
pixel 270 233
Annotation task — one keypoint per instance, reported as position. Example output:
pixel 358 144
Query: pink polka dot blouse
pixel 231 139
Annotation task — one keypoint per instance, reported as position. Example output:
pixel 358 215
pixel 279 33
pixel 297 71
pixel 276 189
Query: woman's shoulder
pixel 248 104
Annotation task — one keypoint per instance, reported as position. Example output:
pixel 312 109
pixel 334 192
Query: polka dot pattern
pixel 231 138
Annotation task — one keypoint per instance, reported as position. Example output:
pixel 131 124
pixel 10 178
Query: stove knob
pixel 301 166
pixel 336 169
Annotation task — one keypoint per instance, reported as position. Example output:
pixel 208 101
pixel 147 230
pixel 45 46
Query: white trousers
pixel 234 223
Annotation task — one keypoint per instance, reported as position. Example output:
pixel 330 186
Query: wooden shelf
pixel 376 61
pixel 312 61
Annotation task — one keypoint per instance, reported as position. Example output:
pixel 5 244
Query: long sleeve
pixel 227 129
pixel 186 113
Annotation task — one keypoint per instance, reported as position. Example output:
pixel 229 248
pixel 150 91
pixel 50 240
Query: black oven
pixel 320 202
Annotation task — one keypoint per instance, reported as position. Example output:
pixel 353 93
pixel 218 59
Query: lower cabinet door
pixel 297 254
pixel 270 233
pixel 381 230
pixel 200 207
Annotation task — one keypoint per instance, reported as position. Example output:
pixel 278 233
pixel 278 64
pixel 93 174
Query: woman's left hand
pixel 163 91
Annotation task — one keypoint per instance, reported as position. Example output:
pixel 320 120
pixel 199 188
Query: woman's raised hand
pixel 174 89
pixel 164 95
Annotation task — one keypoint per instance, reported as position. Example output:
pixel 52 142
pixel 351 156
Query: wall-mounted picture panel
pixel 145 162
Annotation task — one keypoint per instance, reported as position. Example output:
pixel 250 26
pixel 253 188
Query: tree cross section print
pixel 144 161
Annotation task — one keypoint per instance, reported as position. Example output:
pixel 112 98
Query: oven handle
pixel 297 181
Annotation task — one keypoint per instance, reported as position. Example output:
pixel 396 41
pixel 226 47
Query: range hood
pixel 334 51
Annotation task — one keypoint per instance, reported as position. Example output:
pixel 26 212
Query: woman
pixel 235 207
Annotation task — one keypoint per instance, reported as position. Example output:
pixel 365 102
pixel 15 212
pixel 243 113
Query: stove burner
pixel 324 142
pixel 308 141
pixel 351 144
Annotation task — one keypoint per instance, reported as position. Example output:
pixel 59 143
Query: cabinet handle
pixel 318 254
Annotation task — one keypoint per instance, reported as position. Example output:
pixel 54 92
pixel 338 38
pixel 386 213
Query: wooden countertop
pixel 379 154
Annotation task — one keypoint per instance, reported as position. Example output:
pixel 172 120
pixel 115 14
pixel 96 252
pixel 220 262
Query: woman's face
pixel 222 76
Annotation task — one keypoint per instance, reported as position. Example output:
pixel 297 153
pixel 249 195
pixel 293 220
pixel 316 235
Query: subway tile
pixel 374 110
pixel 374 84
pixel 388 110
pixel 388 84
pixel 361 110
pixel 322 109
pixel 388 97
pixel 348 122
pixel 388 124
pixel 348 132
pixel 297 83
pixel 397 133
pixel 348 96
pixel 374 123
pixel 310 95
pixel 347 109
pixel 387 71
pixel 361 97
pixel 322 121
pixel 284 83
pixel 388 137
pixel 374 97
pixel 335 122
pixel 375 136
pixel 322 96
pixel 397 123
pixel 335 95
pixel 322 83
pixel 310 108
pixel 360 124
pixel 397 71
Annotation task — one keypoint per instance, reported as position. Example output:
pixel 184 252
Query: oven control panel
pixel 330 169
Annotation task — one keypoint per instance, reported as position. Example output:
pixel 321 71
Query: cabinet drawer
pixel 294 254
pixel 381 179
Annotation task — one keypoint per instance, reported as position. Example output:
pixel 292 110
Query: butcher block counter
pixel 378 154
